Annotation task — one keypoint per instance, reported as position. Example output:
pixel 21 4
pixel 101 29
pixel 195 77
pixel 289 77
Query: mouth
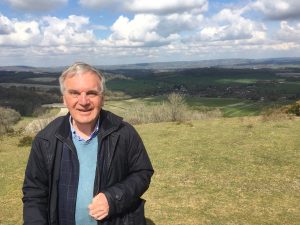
pixel 84 110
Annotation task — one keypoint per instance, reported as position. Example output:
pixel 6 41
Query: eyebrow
pixel 72 91
pixel 87 92
pixel 93 92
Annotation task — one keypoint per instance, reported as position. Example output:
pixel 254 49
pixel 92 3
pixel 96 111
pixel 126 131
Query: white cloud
pixel 6 26
pixel 147 29
pixel 289 33
pixel 19 33
pixel 49 32
pixel 279 9
pixel 155 23
pixel 231 25
pixel 147 6
pixel 34 5
pixel 140 31
pixel 70 31
pixel 177 23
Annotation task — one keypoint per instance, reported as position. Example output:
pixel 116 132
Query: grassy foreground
pixel 219 171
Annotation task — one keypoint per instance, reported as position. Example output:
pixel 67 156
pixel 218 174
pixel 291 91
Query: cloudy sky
pixel 101 32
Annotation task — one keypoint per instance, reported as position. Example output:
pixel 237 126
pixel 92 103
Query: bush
pixel 177 106
pixel 8 117
pixel 293 109
pixel 275 114
pixel 175 110
pixel 25 141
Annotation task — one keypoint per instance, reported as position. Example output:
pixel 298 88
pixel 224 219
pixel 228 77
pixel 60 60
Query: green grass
pixel 224 171
pixel 220 171
pixel 12 166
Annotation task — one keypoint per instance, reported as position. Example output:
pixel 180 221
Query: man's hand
pixel 99 207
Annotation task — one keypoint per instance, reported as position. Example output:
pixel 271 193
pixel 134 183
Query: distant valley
pixel 249 85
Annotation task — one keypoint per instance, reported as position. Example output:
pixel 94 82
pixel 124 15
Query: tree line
pixel 27 100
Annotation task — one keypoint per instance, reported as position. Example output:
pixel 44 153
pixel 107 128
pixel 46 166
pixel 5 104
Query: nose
pixel 83 99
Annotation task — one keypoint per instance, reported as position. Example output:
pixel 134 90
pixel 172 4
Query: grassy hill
pixel 219 171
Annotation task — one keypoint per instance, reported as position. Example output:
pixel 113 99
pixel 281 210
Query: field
pixel 236 92
pixel 242 170
pixel 230 107
pixel 211 82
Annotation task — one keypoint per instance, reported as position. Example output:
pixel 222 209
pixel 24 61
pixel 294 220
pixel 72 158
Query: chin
pixel 86 120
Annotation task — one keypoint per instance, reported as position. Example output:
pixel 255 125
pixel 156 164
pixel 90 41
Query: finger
pixel 97 210
pixel 100 216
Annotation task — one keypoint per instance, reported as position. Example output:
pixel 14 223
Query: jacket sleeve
pixel 35 188
pixel 126 194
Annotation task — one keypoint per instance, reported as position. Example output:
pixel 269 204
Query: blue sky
pixel 103 32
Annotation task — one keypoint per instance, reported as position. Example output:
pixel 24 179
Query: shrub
pixel 25 141
pixel 175 110
pixel 8 117
pixel 177 106
pixel 275 114
pixel 293 109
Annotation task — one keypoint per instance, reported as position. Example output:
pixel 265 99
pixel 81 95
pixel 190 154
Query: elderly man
pixel 88 167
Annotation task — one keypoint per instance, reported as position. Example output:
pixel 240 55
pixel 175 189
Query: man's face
pixel 83 99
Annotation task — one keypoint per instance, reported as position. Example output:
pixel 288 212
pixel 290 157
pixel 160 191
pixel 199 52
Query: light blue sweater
pixel 87 156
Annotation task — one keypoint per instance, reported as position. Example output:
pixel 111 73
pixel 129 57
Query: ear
pixel 64 100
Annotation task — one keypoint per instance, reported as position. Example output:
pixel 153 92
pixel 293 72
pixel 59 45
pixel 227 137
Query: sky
pixel 110 32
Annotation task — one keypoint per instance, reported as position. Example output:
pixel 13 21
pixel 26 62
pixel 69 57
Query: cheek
pixel 69 103
pixel 97 103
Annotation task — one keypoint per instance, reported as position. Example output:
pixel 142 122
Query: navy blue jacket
pixel 123 174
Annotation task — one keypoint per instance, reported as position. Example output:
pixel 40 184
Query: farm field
pixel 230 107
pixel 242 170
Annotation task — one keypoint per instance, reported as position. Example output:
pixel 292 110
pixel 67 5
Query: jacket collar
pixel 108 123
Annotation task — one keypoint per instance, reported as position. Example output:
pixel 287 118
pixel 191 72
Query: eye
pixel 74 93
pixel 92 94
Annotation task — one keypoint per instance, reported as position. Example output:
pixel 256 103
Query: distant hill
pixel 161 66
pixel 222 63
pixel 31 69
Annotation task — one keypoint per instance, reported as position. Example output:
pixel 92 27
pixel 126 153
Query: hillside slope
pixel 219 171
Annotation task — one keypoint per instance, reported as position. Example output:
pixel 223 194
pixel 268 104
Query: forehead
pixel 85 80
